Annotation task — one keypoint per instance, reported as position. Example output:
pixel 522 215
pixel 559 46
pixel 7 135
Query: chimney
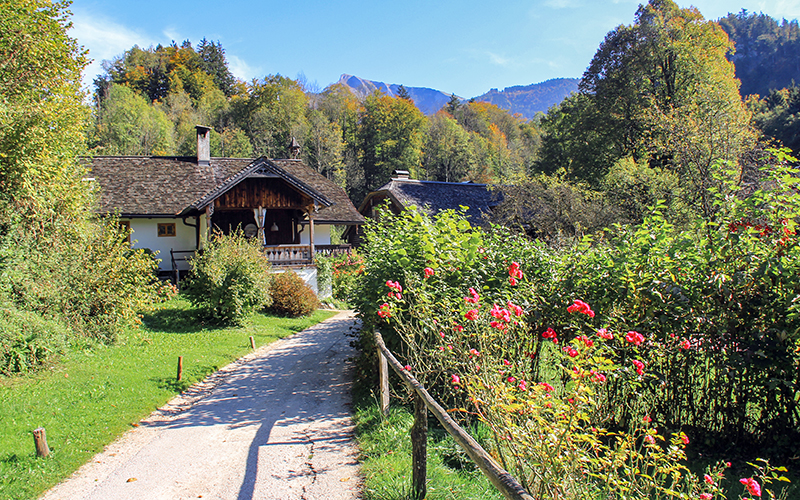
pixel 294 149
pixel 203 146
pixel 400 174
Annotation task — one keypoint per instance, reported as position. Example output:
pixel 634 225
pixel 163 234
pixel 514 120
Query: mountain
pixel 428 101
pixel 526 100
pixel 529 99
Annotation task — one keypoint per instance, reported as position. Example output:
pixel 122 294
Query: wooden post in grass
pixel 383 372
pixel 252 342
pixel 179 376
pixel 419 449
pixel 40 441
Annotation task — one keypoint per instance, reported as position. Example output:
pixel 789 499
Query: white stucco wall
pixel 322 235
pixel 144 234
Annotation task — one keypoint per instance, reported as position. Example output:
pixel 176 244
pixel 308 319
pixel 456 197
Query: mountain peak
pixel 526 100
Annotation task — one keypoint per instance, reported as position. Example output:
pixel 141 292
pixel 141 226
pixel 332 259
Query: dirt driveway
pixel 273 425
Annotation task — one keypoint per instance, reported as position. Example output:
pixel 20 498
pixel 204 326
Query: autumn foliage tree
pixel 661 90
pixel 58 260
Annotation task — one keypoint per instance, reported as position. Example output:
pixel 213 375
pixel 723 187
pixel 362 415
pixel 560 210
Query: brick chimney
pixel 401 175
pixel 203 145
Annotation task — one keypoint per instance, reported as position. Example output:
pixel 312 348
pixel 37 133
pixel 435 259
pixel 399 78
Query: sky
pixel 466 47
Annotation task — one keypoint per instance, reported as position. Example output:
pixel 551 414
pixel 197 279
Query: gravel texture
pixel 272 425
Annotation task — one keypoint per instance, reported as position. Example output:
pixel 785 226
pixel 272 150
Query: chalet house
pixel 171 204
pixel 429 196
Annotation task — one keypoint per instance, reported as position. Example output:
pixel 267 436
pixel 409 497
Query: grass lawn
pixel 90 397
pixel 385 446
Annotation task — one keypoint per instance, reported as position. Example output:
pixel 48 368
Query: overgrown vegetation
pixel 94 395
pixel 715 353
pixel 230 279
pixel 59 263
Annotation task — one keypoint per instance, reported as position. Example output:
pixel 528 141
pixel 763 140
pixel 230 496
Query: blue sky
pixel 465 47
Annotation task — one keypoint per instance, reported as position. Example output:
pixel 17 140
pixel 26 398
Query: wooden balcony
pixel 288 255
pixel 293 255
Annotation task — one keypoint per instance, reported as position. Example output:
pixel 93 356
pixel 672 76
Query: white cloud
pixel 240 69
pixel 562 4
pixel 104 39
pixel 789 9
pixel 498 59
pixel 171 34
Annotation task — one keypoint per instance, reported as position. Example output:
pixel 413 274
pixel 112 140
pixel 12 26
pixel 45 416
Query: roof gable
pixel 147 186
pixel 260 168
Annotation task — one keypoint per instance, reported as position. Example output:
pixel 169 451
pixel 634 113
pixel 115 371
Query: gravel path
pixel 273 425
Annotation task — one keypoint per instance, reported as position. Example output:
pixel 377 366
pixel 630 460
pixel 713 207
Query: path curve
pixel 272 425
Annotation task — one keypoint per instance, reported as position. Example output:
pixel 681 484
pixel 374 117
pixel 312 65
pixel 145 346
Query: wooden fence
pixel 423 402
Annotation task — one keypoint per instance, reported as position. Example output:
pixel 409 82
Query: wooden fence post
pixel 508 486
pixel 179 375
pixel 40 441
pixel 419 449
pixel 383 371
pixel 252 342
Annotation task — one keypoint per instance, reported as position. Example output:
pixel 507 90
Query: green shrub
pixel 27 340
pixel 291 296
pixel 82 273
pixel 345 274
pixel 230 279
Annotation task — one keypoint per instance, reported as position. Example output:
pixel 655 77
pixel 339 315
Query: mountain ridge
pixel 525 100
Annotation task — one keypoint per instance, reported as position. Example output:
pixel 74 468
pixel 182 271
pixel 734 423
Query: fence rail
pixel 499 477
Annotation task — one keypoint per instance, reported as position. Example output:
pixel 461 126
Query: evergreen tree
pixel 214 63
pixel 402 93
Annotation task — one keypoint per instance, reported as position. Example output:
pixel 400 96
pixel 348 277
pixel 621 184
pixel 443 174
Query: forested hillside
pixel 149 100
pixel 528 100
pixel 613 143
pixel 767 52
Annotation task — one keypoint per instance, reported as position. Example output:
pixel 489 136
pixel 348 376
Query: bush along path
pixel 274 424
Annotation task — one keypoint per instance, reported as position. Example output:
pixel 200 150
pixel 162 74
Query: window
pixel 126 228
pixel 166 229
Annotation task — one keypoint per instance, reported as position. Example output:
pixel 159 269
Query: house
pixel 430 196
pixel 172 204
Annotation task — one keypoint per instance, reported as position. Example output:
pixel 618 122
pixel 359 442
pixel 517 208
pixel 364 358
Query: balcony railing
pixel 288 255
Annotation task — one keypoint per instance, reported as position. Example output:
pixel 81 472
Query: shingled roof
pixel 433 196
pixel 169 186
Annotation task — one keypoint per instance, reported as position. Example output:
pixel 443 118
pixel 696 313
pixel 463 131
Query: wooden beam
pixel 383 373
pixel 311 232
pixel 419 450
pixel 508 486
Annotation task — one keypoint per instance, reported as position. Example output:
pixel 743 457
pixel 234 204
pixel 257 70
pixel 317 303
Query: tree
pixel 271 113
pixel 42 115
pixel 767 52
pixel 127 124
pixel 214 64
pixel 325 146
pixel 389 138
pixel 448 155
pixel 402 93
pixel 57 258
pixel 453 104
pixel 661 90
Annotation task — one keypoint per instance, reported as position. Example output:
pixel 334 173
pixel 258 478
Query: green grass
pixel 386 458
pixel 92 396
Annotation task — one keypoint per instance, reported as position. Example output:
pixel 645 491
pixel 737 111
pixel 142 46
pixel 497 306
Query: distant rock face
pixel 526 100
pixel 530 99
pixel 428 101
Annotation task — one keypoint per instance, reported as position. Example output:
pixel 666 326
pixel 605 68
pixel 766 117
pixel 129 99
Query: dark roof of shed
pixel 433 196
pixel 169 186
